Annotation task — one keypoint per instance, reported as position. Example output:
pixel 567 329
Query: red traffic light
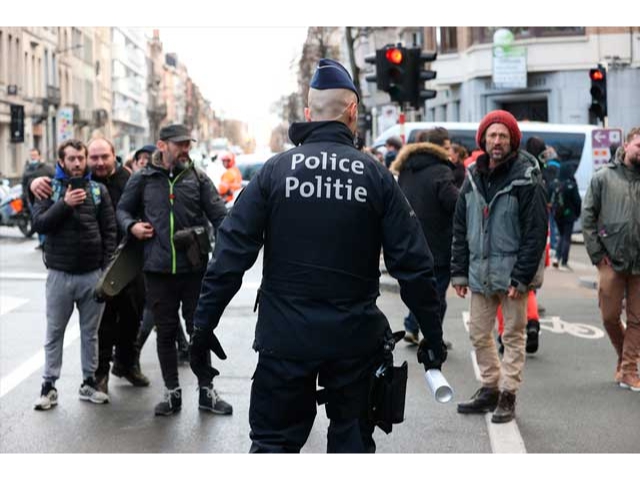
pixel 596 74
pixel 394 55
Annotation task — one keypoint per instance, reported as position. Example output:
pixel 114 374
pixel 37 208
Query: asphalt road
pixel 568 402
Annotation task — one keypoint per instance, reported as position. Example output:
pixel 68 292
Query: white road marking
pixel 26 369
pixel 504 437
pixel 10 303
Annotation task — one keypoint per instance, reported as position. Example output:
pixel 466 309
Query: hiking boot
pixel 506 410
pixel 102 383
pixel 630 381
pixel 533 331
pixel 89 392
pixel 412 337
pixel 484 400
pixel 171 404
pixel 48 397
pixel 133 375
pixel 211 401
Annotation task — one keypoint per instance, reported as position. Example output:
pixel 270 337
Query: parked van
pixel 572 143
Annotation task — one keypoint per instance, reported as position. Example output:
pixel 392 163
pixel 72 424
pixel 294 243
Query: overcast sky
pixel 242 71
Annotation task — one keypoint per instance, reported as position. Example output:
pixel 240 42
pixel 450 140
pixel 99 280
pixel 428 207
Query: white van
pixel 571 142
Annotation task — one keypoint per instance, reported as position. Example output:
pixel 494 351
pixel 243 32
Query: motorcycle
pixel 13 211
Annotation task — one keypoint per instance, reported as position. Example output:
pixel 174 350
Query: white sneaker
pixel 90 393
pixel 48 397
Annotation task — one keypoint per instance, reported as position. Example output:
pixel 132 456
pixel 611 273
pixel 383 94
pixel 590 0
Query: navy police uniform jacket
pixel 322 211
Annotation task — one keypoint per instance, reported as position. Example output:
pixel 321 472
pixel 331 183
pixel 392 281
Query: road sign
pixel 602 139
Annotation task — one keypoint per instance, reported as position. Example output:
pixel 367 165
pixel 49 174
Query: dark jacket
pixel 34 170
pixel 322 211
pixel 611 216
pixel 115 185
pixel 79 239
pixel 500 226
pixel 564 196
pixel 426 179
pixel 458 174
pixel 169 201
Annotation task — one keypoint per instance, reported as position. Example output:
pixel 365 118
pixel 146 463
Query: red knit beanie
pixel 505 118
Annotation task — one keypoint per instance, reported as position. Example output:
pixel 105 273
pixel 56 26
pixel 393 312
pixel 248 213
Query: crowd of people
pixel 324 211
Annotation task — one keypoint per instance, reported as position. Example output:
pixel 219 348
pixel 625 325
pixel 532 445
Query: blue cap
pixel 330 74
pixel 147 148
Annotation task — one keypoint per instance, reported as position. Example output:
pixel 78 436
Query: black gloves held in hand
pixel 432 354
pixel 202 341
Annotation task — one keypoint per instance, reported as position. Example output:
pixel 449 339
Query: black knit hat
pixel 330 74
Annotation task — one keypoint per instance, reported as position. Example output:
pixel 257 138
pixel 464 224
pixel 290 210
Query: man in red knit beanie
pixel 499 236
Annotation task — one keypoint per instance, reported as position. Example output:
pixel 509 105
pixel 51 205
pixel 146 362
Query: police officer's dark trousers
pixel 283 404
pixel 165 294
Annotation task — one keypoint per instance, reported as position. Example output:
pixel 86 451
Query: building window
pixel 88 49
pixel 447 39
pixel 485 34
pixel 76 39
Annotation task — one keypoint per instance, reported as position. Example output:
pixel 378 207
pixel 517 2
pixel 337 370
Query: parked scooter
pixel 13 211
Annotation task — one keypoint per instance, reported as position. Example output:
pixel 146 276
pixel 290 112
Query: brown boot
pixel 506 410
pixel 483 401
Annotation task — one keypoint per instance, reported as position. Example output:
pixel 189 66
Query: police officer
pixel 322 211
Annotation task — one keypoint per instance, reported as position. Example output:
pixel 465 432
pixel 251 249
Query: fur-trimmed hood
pixel 419 155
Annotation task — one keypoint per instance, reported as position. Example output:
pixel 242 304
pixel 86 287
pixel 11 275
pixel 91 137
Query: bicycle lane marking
pixel 504 437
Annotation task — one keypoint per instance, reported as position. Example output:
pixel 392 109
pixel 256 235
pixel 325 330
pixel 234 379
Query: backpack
pixel 559 207
pixel 94 190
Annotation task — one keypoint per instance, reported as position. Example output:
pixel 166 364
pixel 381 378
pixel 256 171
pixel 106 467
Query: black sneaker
pixel 533 331
pixel 500 345
pixel 211 401
pixel 48 397
pixel 172 402
pixel 484 400
pixel 506 410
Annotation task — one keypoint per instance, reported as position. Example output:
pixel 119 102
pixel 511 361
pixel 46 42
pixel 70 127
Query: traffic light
pixel 423 75
pixel 392 64
pixel 400 72
pixel 17 124
pixel 598 90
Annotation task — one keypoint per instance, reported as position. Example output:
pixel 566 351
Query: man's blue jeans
pixel 443 277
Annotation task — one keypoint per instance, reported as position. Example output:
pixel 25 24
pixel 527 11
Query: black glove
pixel 432 354
pixel 199 359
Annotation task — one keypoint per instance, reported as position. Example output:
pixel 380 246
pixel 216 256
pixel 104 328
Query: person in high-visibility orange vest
pixel 231 180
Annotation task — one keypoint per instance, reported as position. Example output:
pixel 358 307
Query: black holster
pixel 388 390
